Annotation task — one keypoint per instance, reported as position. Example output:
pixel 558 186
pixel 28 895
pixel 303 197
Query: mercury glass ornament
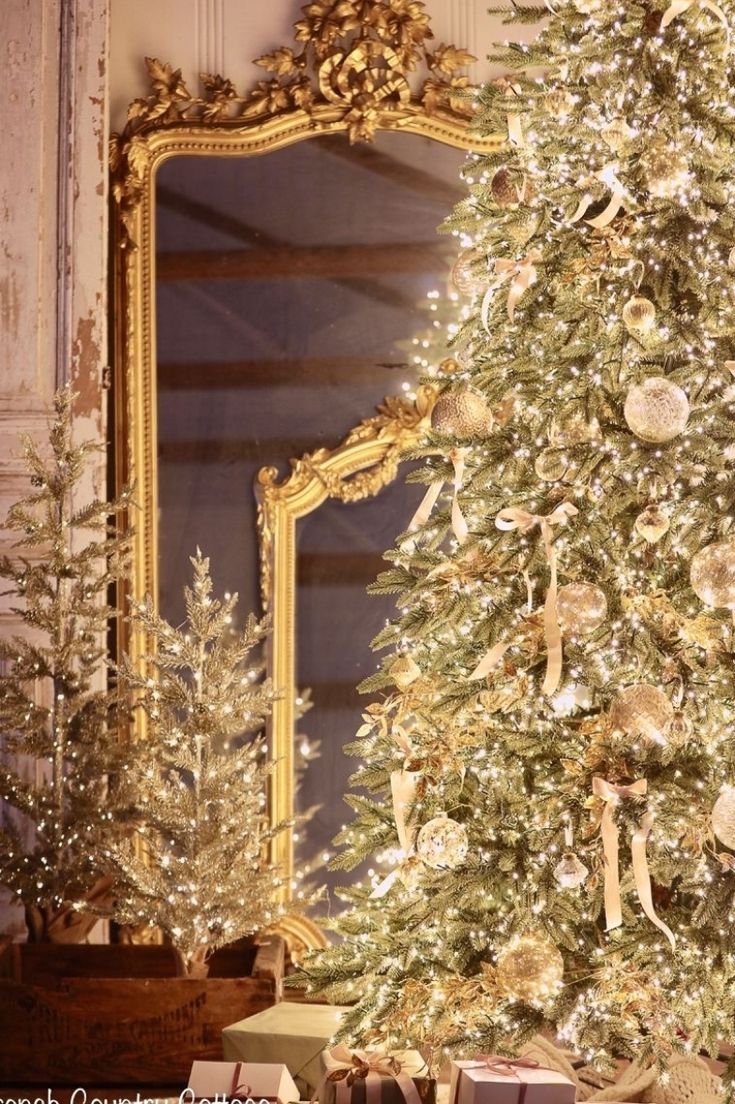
pixel 551 465
pixel 656 410
pixel 652 524
pixel 442 843
pixel 665 168
pixel 723 817
pixel 461 413
pixel 639 315
pixel 506 190
pixel 616 133
pixel 404 670
pixel 712 575
pixel 463 274
pixel 644 711
pixel 571 872
pixel 530 968
pixel 582 608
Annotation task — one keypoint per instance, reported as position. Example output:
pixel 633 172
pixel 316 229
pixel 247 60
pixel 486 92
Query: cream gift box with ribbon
pixel 374 1077
pixel 498 1080
pixel 241 1081
pixel 295 1034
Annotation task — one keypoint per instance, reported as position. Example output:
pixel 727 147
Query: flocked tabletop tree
pixel 56 712
pixel 197 863
pixel 554 752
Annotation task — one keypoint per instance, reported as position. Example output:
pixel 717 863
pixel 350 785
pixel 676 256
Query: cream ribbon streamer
pixel 611 794
pixel 515 518
pixel 403 785
pixel 515 125
pixel 422 515
pixel 678 7
pixel 344 1067
pixel 524 274
pixel 608 175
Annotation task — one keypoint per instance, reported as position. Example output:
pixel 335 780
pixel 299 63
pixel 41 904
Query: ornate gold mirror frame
pixel 346 74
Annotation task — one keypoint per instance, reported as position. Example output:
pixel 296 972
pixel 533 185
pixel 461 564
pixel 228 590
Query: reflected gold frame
pixel 351 80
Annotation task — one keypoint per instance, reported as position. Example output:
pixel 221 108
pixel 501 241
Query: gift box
pixel 374 1077
pixel 242 1081
pixel 497 1080
pixel 295 1034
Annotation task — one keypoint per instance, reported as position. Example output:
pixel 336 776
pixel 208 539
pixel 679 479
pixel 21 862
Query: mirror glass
pixel 288 288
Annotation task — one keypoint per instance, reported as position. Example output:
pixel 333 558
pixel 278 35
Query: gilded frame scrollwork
pixel 353 69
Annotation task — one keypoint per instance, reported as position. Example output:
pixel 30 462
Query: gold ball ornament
pixel 559 102
pixel 582 608
pixel 652 524
pixel 530 969
pixel 442 843
pixel 642 710
pixel 712 575
pixel 551 465
pixel 665 168
pixel 570 872
pixel 656 410
pixel 464 276
pixel 723 817
pixel 461 413
pixel 639 315
pixel 404 670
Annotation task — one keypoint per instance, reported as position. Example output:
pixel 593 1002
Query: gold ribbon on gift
pixel 523 274
pixel 422 515
pixel 608 175
pixel 678 7
pixel 612 794
pixel 516 518
pixel 344 1067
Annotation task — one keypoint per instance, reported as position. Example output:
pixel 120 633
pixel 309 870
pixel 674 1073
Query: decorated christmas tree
pixel 197 863
pixel 552 755
pixel 56 713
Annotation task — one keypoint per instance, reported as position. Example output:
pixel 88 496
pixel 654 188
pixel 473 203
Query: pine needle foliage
pixel 52 710
pixel 632 120
pixel 197 864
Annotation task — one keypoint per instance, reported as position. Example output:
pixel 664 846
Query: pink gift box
pixel 475 1083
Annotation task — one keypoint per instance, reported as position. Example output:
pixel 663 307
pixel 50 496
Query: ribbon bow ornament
pixel 523 275
pixel 515 518
pixel 422 515
pixel 345 1067
pixel 612 795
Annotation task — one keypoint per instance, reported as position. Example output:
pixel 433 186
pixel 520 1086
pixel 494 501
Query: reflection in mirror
pixel 284 285
pixel 288 288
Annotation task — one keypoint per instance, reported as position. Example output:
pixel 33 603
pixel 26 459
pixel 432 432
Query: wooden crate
pixel 103 1015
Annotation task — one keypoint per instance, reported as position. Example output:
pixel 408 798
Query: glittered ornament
pixel 712 575
pixel 570 872
pixel 461 413
pixel 464 275
pixel 559 102
pixel 574 431
pixel 530 968
pixel 639 315
pixel 643 711
pixel 442 843
pixel 665 169
pixel 507 190
pixel 656 410
pixel 551 465
pixel 652 524
pixel 582 608
pixel 723 816
pixel 404 670
pixel 616 134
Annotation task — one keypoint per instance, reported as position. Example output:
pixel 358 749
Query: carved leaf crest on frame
pixel 355 58
pixel 398 424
